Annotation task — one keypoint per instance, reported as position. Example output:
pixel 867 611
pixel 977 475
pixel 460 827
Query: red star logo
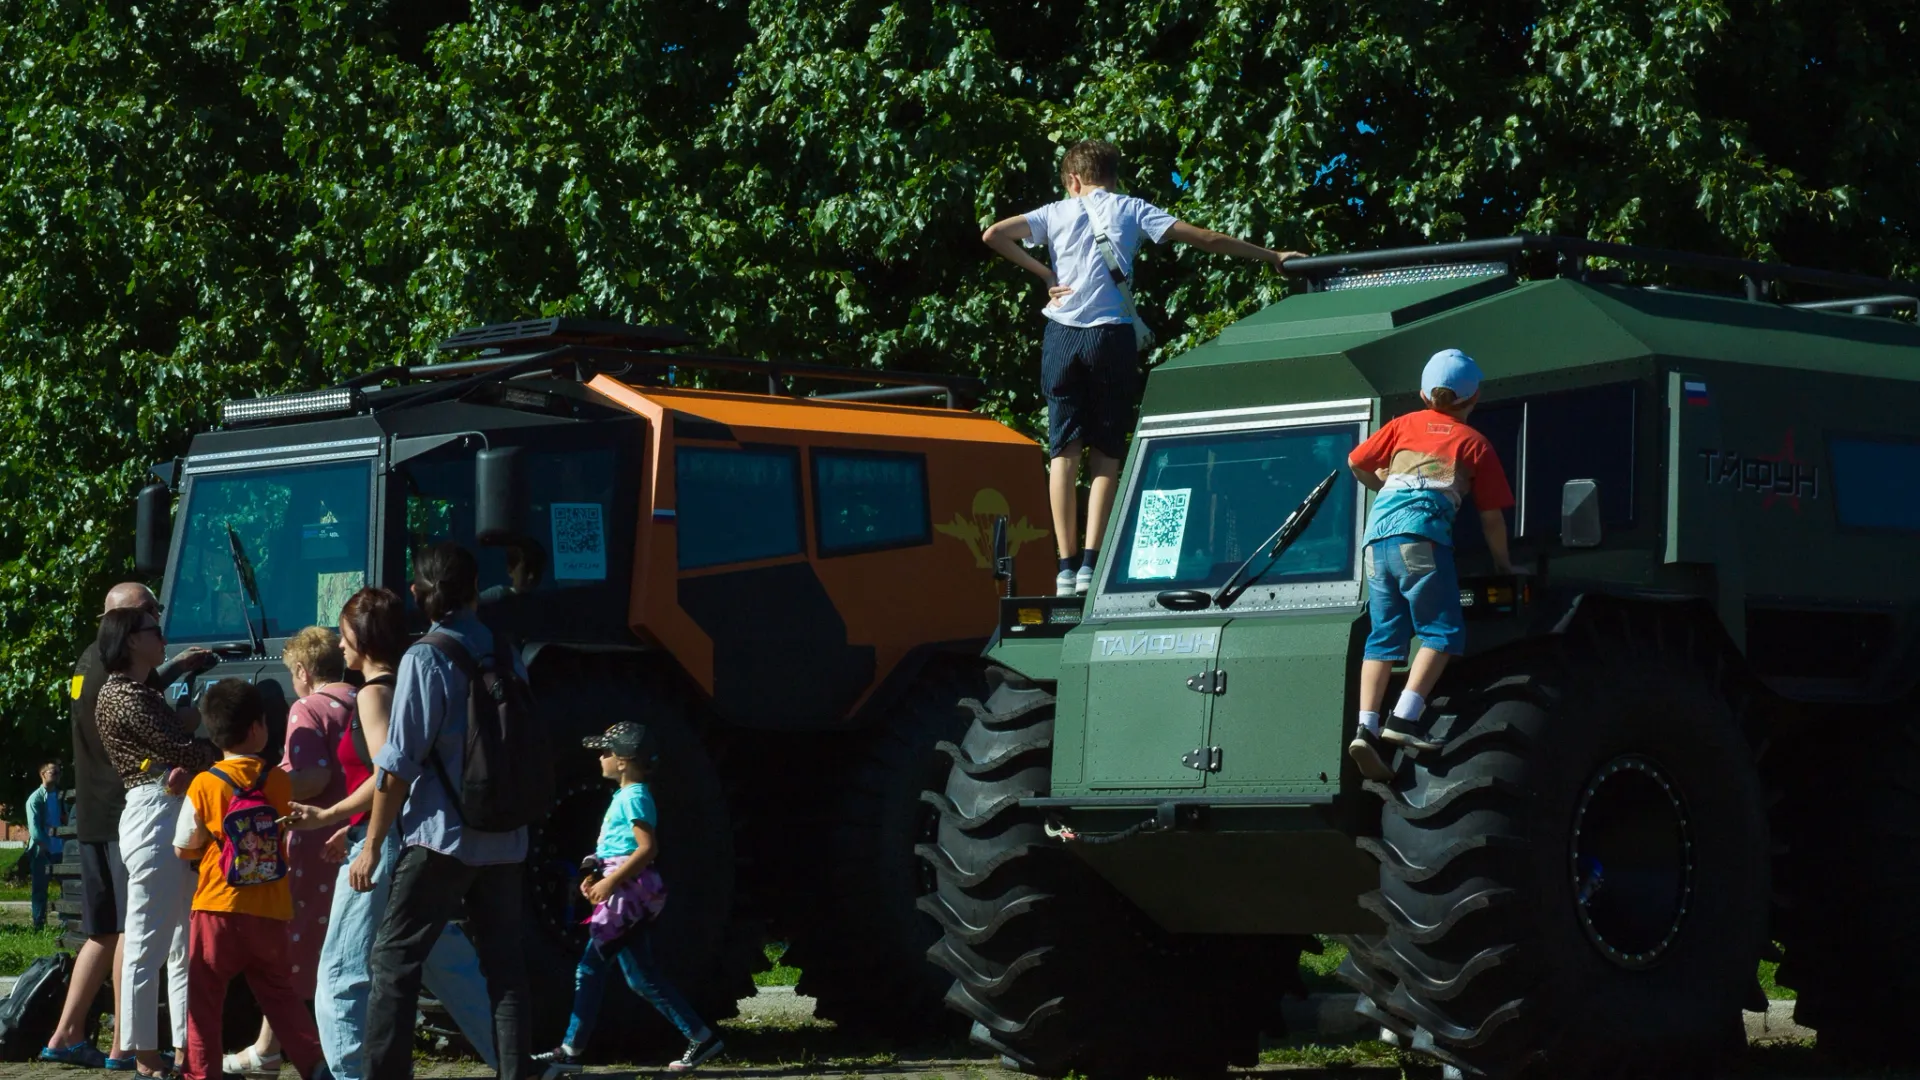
pixel 1787 458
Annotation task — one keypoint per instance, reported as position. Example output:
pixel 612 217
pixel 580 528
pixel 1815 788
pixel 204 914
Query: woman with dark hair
pixel 151 751
pixel 373 635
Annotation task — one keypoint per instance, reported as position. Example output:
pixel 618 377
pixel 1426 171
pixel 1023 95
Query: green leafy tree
pixel 208 201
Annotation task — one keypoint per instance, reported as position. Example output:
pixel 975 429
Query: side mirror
pixel 498 494
pixel 1580 514
pixel 152 529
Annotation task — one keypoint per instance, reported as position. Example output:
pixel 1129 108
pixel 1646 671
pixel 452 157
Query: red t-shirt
pixel 1432 463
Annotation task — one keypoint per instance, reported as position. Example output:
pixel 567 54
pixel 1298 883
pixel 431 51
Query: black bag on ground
pixel 508 778
pixel 33 1009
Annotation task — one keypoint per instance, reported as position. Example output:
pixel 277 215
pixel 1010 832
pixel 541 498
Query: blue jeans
pixel 345 981
pixel 40 862
pixel 1412 587
pixel 634 952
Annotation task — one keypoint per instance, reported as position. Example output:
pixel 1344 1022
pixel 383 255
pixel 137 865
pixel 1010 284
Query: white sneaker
pixel 1082 581
pixel 1066 584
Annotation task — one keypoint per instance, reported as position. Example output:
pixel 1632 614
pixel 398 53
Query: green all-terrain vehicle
pixel 1680 742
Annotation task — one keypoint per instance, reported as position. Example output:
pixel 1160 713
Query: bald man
pixel 96 822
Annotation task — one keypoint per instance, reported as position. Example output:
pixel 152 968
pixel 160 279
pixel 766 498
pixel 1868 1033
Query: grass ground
pixel 21 944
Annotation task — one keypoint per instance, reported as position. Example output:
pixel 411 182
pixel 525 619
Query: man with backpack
pixel 465 769
pixel 231 825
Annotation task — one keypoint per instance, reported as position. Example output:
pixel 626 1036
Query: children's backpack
pixel 250 851
pixel 506 780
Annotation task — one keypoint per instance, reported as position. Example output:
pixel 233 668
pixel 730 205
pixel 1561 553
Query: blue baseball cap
pixel 1454 370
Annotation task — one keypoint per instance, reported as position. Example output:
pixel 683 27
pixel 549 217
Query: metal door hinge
pixel 1211 681
pixel 1204 758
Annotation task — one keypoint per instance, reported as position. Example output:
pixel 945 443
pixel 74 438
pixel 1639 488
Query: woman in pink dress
pixel 315 725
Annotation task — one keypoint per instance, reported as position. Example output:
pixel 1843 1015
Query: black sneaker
pixel 1367 752
pixel 1411 734
pixel 557 1062
pixel 698 1052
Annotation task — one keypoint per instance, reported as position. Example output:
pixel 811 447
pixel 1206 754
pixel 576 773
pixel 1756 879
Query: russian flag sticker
pixel 1695 393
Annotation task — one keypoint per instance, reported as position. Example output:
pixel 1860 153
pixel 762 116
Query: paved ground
pixel 776 1037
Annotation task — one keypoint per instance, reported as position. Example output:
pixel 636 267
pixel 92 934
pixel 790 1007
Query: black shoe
pixel 1411 734
pixel 1367 752
pixel 557 1062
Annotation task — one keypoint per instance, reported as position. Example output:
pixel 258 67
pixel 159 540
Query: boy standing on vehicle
pixel 1423 465
pixel 1090 356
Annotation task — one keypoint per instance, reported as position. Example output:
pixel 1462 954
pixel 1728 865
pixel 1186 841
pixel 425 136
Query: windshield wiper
pixel 1276 546
pixel 243 569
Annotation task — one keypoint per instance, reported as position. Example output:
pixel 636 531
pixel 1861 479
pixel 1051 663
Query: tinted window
pixel 867 501
pixel 1876 483
pixel 1579 435
pixel 1204 503
pixel 302 530
pixel 1547 440
pixel 568 519
pixel 736 505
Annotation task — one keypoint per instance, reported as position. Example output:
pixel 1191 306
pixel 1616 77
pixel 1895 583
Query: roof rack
pixel 1572 252
pixel 583 348
pixel 527 335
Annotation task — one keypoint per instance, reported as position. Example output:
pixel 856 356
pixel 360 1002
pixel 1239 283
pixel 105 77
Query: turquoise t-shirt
pixel 632 803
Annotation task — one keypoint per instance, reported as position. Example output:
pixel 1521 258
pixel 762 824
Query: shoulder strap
pixel 462 659
pixel 1111 256
pixel 258 781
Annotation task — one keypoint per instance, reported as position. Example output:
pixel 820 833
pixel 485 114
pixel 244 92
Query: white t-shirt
pixel 1065 229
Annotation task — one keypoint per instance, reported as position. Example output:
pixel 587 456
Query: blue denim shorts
pixel 1412 588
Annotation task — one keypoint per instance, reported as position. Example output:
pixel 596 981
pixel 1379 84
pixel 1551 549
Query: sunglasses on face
pixel 153 629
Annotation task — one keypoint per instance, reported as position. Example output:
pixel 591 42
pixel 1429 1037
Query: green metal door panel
pixel 1279 724
pixel 1149 718
pixel 1070 713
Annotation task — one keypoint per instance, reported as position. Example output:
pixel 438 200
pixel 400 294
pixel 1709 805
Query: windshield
pixel 304 530
pixel 1203 503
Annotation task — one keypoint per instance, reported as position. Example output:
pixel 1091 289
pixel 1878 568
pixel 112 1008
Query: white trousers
pixel 160 888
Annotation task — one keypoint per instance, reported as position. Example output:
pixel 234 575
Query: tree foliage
pixel 210 200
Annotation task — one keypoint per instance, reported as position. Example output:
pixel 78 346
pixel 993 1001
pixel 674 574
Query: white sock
pixel 1410 705
pixel 1370 721
pixel 568 1050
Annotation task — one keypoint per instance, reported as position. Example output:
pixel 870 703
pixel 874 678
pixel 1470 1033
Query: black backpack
pixel 508 779
pixel 33 1009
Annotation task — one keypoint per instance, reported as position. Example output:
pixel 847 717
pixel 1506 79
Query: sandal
pixel 249 1063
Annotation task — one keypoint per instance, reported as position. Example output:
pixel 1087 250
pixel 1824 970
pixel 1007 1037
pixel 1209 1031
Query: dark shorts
pixel 1091 378
pixel 103 889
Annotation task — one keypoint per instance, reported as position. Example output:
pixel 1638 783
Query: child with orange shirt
pixel 243 905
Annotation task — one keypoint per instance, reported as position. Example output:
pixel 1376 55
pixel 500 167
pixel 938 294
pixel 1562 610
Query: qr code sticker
pixel 579 542
pixel 1158 532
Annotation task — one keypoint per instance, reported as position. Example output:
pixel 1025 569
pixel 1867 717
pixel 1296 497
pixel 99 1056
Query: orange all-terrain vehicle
pixel 790 591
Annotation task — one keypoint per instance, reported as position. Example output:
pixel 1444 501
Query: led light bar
pixel 1407 275
pixel 282 406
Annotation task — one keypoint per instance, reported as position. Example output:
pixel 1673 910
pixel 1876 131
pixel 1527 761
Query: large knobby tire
pixel 1848 871
pixel 580 695
pixel 1055 970
pixel 862 944
pixel 1557 764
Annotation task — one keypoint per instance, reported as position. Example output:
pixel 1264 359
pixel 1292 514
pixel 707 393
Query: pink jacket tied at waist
pixel 635 900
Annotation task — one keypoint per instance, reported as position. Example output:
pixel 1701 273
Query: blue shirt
pixel 1065 228
pixel 430 696
pixel 632 803
pixel 44 816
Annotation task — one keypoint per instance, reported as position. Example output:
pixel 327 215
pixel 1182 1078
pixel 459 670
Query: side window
pixel 1876 483
pixel 866 501
pixel 1545 441
pixel 1579 435
pixel 736 505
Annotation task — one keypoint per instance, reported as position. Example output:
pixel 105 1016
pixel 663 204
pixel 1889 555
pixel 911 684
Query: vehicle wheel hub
pixel 1632 861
